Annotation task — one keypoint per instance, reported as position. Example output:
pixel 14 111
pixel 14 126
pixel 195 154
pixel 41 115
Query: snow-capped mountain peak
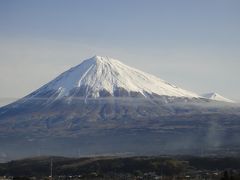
pixel 217 97
pixel 104 76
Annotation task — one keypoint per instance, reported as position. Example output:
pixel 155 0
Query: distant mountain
pixel 102 106
pixel 216 97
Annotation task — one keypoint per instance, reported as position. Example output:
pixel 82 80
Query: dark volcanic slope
pixel 40 118
pixel 118 125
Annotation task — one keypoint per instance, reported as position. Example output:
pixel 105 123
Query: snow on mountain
pixel 216 97
pixel 106 74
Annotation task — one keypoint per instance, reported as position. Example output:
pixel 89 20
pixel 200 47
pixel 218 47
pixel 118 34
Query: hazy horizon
pixel 194 45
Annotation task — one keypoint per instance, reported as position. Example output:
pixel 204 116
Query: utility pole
pixel 51 170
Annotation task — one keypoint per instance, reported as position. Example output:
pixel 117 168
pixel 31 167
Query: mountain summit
pixel 103 77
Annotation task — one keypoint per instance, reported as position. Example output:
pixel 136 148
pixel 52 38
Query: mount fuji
pixel 103 106
pixel 106 77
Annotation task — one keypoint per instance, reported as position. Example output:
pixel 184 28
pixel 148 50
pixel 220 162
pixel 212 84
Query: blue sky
pixel 194 44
